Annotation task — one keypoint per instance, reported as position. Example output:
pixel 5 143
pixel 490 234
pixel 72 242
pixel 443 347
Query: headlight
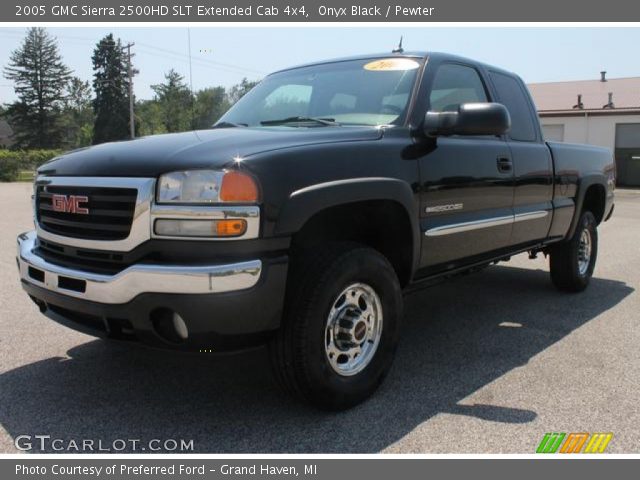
pixel 206 187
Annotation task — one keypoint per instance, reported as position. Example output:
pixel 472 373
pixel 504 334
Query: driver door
pixel 467 181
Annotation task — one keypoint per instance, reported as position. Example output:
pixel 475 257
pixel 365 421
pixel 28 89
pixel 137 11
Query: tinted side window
pixel 511 95
pixel 454 85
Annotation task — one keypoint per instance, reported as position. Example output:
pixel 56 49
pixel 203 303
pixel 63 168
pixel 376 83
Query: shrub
pixel 13 162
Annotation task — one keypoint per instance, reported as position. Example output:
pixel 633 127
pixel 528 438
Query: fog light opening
pixel 169 325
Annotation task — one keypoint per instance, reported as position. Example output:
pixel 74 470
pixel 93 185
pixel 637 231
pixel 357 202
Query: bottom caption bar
pixel 335 468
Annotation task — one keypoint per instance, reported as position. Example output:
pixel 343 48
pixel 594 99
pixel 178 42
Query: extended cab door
pixel 532 162
pixel 466 182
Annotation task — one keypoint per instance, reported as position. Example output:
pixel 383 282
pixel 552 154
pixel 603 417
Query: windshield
pixel 358 92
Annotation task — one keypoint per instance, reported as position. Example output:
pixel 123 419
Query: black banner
pixel 318 11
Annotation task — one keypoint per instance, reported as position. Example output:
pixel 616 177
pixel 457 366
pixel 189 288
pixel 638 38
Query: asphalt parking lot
pixel 488 363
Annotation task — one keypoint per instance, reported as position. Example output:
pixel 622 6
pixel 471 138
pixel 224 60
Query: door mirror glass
pixel 469 119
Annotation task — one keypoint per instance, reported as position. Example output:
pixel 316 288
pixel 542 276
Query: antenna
pixel 399 48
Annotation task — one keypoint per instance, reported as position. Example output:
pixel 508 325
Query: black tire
pixel 298 356
pixel 566 273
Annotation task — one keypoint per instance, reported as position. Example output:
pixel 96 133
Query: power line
pixel 212 62
pixel 203 62
pixel 196 62
pixel 155 51
pixel 200 62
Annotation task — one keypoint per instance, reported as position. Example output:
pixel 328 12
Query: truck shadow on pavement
pixel 457 337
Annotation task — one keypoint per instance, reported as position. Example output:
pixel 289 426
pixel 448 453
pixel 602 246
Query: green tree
pixel 150 117
pixel 209 105
pixel 239 90
pixel 40 78
pixel 78 113
pixel 175 101
pixel 111 87
pixel 5 129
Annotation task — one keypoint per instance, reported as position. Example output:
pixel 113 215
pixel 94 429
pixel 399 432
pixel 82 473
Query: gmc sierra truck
pixel 300 218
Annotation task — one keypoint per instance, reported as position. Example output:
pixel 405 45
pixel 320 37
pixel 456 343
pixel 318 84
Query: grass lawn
pixel 25 176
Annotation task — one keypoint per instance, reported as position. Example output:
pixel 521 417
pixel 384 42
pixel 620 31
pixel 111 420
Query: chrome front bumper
pixel 134 280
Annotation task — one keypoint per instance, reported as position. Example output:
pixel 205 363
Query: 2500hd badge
pixel 298 220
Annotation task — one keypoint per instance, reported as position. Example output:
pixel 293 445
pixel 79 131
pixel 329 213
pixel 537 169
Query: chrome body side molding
pixel 484 223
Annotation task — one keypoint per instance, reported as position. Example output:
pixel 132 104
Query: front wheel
pixel 341 327
pixel 573 261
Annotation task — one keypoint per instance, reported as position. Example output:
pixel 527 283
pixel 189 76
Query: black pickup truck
pixel 299 219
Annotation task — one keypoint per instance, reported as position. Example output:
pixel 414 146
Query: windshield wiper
pixel 229 125
pixel 318 120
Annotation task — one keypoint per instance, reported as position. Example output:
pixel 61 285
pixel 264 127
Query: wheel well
pixel 594 201
pixel 380 224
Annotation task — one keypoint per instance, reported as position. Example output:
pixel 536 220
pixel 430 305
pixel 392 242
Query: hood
pixel 215 148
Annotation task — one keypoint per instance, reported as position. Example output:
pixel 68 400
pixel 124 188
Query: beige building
pixel 603 112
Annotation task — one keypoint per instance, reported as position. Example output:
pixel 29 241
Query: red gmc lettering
pixel 69 204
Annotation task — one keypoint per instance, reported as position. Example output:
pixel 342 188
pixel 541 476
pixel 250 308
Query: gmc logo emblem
pixel 69 204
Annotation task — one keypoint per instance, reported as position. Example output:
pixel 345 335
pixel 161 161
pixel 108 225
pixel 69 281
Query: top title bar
pixel 34 11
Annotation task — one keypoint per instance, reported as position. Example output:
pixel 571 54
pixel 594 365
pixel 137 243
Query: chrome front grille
pixel 117 216
pixel 109 211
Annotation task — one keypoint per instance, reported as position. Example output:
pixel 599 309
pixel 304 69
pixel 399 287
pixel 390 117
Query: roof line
pixel 576 111
pixel 576 81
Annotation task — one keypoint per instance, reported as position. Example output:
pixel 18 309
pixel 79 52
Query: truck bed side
pixel 583 174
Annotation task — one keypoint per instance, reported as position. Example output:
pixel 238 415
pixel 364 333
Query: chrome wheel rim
pixel 353 329
pixel 584 252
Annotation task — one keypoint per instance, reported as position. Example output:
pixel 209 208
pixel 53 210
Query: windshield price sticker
pixel 392 64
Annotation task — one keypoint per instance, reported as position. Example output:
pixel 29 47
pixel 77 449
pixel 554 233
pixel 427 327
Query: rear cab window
pixel 512 95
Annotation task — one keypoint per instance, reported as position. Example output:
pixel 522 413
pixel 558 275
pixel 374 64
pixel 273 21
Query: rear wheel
pixel 340 331
pixel 573 261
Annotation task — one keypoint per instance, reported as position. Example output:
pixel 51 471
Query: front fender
pixel 306 202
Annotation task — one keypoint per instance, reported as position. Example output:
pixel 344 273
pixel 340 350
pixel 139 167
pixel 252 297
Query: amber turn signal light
pixel 169 227
pixel 231 228
pixel 238 187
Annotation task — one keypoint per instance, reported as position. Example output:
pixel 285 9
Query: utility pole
pixel 191 80
pixel 132 120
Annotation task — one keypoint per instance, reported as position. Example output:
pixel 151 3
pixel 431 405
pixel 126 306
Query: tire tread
pixel 310 271
pixel 564 274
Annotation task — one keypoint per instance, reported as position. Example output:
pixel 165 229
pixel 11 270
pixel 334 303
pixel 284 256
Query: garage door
pixel 628 153
pixel 553 133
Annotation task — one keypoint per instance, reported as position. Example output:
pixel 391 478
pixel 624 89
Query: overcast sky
pixel 224 55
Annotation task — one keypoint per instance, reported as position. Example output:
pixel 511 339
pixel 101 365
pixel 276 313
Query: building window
pixel 628 154
pixel 553 133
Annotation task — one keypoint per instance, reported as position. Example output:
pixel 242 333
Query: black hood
pixel 152 156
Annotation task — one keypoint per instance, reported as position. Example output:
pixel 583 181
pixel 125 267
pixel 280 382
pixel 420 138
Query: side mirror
pixel 470 119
